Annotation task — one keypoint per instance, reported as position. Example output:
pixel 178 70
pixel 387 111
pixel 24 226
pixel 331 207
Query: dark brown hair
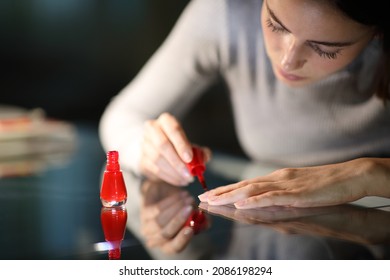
pixel 373 13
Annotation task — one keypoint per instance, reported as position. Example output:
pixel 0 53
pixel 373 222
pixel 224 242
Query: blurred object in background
pixel 71 57
pixel 30 142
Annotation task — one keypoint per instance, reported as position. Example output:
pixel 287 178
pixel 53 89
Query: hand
pixel 325 185
pixel 166 150
pixel 164 212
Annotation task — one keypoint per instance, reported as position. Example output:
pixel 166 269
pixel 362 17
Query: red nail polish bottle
pixel 197 166
pixel 113 221
pixel 113 190
pixel 197 221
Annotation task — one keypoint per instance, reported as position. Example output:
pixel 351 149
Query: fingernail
pixel 186 157
pixel 239 203
pixel 212 198
pixel 186 211
pixel 187 174
pixel 203 197
pixel 188 231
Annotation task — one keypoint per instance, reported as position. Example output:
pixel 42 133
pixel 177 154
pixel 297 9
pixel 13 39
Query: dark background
pixel 70 57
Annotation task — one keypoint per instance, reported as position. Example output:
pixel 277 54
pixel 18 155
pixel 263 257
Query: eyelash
pixel 321 53
pixel 274 28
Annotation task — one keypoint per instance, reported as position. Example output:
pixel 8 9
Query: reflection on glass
pixel 163 215
pixel 113 221
pixel 197 221
pixel 171 203
pixel 167 221
pixel 344 222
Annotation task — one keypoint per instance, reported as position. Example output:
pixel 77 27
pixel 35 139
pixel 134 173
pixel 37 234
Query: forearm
pixel 122 131
pixel 171 81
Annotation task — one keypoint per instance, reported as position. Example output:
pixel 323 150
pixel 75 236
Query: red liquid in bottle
pixel 113 221
pixel 197 166
pixel 113 190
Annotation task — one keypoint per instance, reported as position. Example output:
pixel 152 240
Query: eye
pixel 324 54
pixel 274 27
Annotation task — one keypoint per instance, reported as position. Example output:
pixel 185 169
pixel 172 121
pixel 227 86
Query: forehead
pixel 316 19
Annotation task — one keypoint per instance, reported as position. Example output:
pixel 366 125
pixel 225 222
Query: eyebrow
pixel 328 44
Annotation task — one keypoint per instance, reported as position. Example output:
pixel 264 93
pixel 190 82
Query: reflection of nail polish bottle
pixel 113 190
pixel 197 166
pixel 113 221
pixel 197 221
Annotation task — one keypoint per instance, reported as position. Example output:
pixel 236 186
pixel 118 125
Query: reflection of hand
pixel 166 150
pixel 346 222
pixel 264 215
pixel 325 185
pixel 164 211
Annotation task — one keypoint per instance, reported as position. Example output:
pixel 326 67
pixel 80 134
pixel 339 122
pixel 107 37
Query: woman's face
pixel 308 40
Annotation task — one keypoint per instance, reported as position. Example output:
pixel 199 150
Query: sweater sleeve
pixel 171 80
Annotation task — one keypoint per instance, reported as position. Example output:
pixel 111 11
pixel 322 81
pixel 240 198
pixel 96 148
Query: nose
pixel 293 57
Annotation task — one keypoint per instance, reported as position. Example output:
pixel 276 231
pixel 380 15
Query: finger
pixel 149 215
pixel 156 209
pixel 241 193
pixel 228 188
pixel 154 192
pixel 223 195
pixel 217 191
pixel 226 192
pixel 248 216
pixel 179 243
pixel 167 216
pixel 161 220
pixel 273 198
pixel 204 197
pixel 161 170
pixel 155 240
pixel 171 229
pixel 175 224
pixel 203 206
pixel 222 210
pixel 163 147
pixel 159 164
pixel 159 150
pixel 177 136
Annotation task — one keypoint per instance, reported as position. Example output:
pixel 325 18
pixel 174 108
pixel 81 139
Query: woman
pixel 308 82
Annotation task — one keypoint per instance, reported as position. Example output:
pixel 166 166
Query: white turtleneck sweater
pixel 336 119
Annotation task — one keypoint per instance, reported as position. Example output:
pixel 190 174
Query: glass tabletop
pixel 52 210
pixel 352 231
pixel 49 203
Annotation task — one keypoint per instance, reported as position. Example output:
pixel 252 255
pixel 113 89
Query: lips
pixel 289 77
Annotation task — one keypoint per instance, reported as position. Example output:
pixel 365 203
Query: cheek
pixel 322 67
pixel 345 57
